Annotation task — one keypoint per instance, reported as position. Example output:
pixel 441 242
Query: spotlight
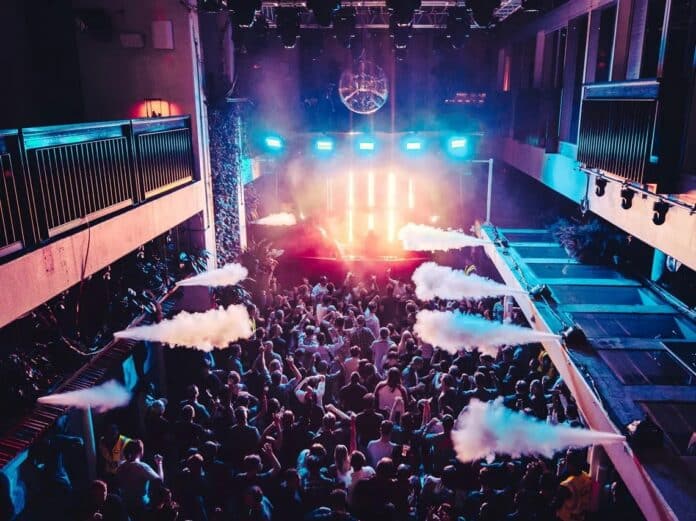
pixel 400 33
pixel 402 11
pixel 483 11
pixel 344 25
pixel 458 26
pixel 574 337
pixel 600 186
pixel 627 198
pixel 323 10
pixel 434 218
pixel 660 209
pixel 366 145
pixel 457 146
pixel 288 23
pixel 413 144
pixel 324 144
pixel 540 292
pixel 273 142
pixel 243 12
pixel 212 6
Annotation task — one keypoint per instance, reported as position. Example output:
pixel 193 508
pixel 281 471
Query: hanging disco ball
pixel 363 89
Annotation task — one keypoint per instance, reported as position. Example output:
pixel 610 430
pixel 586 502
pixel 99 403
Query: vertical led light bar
pixel 391 207
pixel 329 195
pixel 371 199
pixel 411 194
pixel 351 204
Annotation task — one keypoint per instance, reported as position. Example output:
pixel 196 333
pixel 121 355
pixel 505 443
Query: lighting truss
pixel 507 7
pixel 372 14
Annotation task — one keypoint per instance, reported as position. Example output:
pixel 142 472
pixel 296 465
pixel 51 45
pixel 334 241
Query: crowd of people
pixel 336 410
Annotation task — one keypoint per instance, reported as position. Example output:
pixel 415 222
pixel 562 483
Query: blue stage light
pixel 366 144
pixel 324 144
pixel 457 146
pixel 457 142
pixel 414 145
pixel 274 142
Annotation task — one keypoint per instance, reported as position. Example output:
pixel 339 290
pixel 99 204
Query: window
pixel 652 38
pixel 579 28
pixel 605 44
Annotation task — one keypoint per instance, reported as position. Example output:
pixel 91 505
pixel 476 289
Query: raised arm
pixel 290 360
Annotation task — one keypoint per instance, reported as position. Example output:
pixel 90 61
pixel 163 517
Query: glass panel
pixel 579 26
pixel 639 367
pixel 605 44
pixel 528 237
pixel 685 351
pixel 643 325
pixel 573 271
pixel 541 252
pixel 597 295
pixel 676 419
pixel 651 38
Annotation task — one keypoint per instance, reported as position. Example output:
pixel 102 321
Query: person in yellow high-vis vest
pixel 574 496
pixel 111 449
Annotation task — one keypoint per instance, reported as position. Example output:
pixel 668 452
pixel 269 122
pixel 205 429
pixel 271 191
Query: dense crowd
pixel 335 409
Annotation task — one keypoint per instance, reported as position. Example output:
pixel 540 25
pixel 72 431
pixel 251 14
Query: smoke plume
pixel 433 280
pixel 486 429
pixel 228 275
pixel 102 398
pixel 213 329
pixel 277 219
pixel 420 237
pixel 454 330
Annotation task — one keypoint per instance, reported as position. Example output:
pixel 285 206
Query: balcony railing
pixel 58 178
pixel 617 128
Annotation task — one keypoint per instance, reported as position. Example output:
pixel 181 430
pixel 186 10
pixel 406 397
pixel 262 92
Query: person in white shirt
pixel 134 477
pixel 359 472
pixel 320 289
pixel 352 363
pixel 381 347
pixel 381 448
pixel 371 318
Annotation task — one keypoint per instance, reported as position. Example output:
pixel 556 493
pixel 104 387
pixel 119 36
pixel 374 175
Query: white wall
pixel 116 80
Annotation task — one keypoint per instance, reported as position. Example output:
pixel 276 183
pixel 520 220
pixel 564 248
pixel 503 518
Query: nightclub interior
pixel 348 260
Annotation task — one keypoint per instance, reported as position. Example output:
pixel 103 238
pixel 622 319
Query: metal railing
pixel 617 128
pixel 58 178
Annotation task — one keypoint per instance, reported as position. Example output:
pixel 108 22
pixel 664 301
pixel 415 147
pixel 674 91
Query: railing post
pixel 34 231
pixel 137 179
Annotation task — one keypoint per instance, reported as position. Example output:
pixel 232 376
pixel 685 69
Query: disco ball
pixel 363 89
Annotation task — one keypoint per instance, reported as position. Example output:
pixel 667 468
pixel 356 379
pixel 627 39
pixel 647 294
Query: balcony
pixel 74 199
pixel 617 129
pixel 58 179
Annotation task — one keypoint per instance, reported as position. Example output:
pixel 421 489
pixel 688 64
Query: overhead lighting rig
pixel 372 14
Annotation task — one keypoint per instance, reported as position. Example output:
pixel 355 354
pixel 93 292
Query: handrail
pixel 617 128
pixel 57 178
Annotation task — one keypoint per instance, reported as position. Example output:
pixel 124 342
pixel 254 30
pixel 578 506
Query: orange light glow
pixel 144 109
pixel 351 190
pixel 351 204
pixel 391 207
pixel 370 221
pixel 329 194
pixel 350 226
pixel 411 195
pixel 371 188
pixel 391 191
